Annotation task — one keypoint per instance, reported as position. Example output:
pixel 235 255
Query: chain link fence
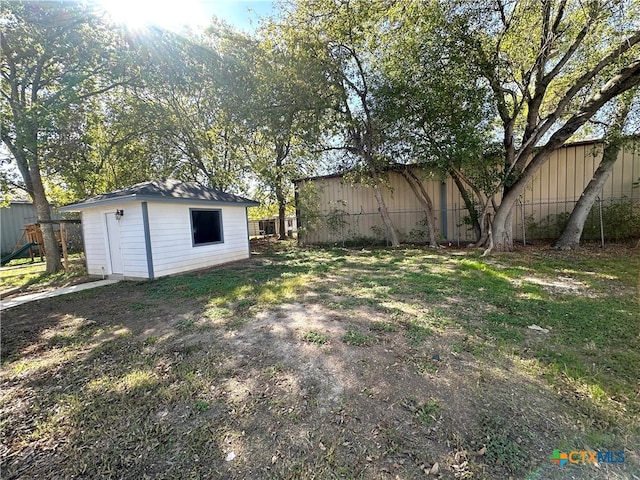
pixel 610 220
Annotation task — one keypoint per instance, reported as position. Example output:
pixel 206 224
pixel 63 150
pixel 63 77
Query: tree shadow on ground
pixel 168 378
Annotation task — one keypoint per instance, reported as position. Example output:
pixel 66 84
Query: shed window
pixel 206 226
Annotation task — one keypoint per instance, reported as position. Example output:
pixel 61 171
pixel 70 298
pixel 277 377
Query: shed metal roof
pixel 163 190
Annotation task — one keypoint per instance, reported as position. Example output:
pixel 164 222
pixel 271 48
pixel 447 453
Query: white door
pixel 113 236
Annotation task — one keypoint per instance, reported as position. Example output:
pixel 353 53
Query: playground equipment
pixel 32 234
pixel 18 252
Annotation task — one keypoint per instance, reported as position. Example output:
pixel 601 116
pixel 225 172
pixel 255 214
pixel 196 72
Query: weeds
pixel 185 323
pixel 417 333
pixel 424 413
pixel 503 442
pixel 356 338
pixel 315 337
pixel 383 327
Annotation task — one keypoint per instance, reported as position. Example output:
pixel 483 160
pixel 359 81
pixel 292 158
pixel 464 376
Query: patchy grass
pixel 211 375
pixel 26 276
pixel 417 333
pixel 383 327
pixel 501 440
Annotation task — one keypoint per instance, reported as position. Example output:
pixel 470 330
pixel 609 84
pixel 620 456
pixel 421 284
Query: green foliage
pixel 309 206
pixel 500 438
pixel 57 57
pixel 383 327
pixel 335 221
pixel 416 332
pixel 196 89
pixel 620 221
pixel 418 233
pixel 315 337
pixel 424 412
pixel 541 61
pixel 202 406
pixel 185 323
pixel 356 338
pixel 267 210
pixel 344 39
pixel 550 226
pixel 437 116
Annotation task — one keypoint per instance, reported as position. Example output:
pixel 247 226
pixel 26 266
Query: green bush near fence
pixel 620 221
pixel 550 226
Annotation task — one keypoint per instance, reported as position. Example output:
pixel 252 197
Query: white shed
pixel 161 228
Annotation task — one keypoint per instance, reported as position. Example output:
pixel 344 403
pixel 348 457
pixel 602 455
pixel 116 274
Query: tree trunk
pixel 469 204
pixel 570 238
pixel 384 213
pixel 282 234
pixel 43 210
pixel 623 81
pixel 26 155
pixel 282 151
pixel 502 230
pixel 424 199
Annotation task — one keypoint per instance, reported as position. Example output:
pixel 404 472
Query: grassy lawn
pixel 21 273
pixel 332 363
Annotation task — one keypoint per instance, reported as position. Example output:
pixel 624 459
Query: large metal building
pixel 332 210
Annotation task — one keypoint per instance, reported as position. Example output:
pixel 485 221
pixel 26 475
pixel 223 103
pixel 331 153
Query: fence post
pixel 457 220
pixel 524 236
pixel 601 225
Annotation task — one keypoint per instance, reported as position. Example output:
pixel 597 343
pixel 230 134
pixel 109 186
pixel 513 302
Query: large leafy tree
pixel 552 65
pixel 108 143
pixel 194 89
pixel 344 38
pixel 55 57
pixel 285 115
pixel 436 117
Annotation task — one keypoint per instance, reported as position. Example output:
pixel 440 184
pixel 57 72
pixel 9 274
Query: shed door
pixel 113 236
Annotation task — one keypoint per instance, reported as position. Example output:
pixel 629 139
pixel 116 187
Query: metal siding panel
pixel 635 171
pixel 552 190
pixel 544 192
pixel 578 176
pixel 617 186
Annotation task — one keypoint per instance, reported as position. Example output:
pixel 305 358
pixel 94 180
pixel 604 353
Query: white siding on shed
pixel 96 239
pixel 134 252
pixel 172 245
